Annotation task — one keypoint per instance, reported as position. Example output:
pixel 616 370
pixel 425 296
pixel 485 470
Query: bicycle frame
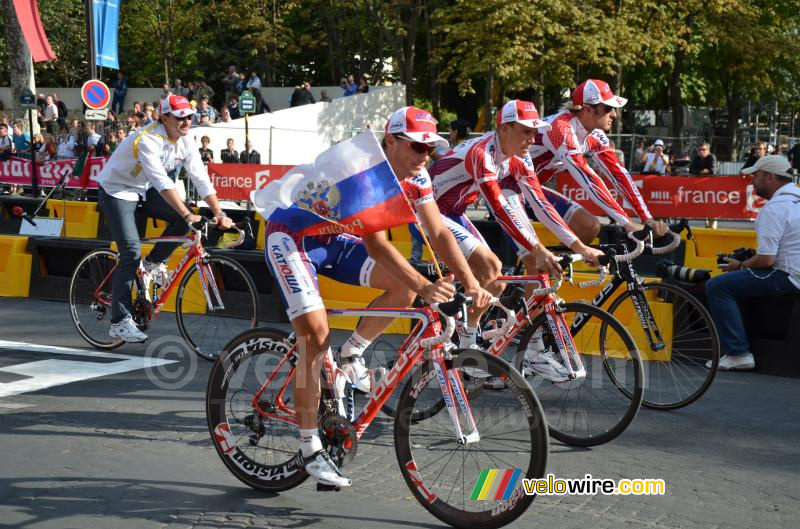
pixel 536 306
pixel 195 251
pixel 409 354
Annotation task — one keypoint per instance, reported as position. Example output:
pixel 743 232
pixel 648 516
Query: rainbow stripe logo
pixel 496 484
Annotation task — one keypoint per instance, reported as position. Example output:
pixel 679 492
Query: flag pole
pixel 430 249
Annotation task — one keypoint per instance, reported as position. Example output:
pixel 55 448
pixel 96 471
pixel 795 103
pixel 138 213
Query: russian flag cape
pixel 350 188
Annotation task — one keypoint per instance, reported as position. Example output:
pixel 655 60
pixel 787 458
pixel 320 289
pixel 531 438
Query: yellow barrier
pixel 81 218
pixel 702 250
pixel 15 266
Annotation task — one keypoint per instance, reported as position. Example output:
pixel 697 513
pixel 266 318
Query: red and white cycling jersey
pixel 418 189
pixel 480 168
pixel 566 147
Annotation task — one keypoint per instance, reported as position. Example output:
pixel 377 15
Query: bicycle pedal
pixel 321 487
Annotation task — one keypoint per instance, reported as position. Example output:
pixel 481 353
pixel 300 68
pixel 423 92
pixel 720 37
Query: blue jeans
pixel 118 102
pixel 120 215
pixel 725 290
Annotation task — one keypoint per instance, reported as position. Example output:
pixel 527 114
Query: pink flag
pixel 31 24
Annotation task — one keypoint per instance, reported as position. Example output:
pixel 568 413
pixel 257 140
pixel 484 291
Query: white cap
pixel 774 163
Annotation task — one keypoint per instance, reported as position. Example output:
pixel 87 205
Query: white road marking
pixel 14 405
pixel 56 372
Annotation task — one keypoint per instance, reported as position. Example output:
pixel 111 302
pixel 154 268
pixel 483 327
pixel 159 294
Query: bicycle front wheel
pixel 90 298
pixel 676 348
pixel 231 308
pixel 451 478
pixel 597 406
pixel 250 410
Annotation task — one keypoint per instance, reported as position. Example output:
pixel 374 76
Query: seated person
pixel 773 271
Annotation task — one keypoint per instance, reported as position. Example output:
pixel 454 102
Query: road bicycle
pixel 673 331
pixel 605 382
pixel 253 425
pixel 216 298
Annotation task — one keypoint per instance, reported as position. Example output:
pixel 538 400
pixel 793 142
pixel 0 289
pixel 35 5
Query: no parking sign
pixel 95 94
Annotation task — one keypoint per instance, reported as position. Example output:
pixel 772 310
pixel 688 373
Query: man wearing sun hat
pixel 141 173
pixel 578 133
pixel 773 271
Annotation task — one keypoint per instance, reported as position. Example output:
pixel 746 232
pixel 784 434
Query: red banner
pixel 33 31
pixel 17 171
pixel 234 181
pixel 717 197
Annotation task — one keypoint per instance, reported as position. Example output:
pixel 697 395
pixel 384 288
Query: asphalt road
pixel 119 440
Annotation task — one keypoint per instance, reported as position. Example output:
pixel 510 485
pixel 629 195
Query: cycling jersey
pixel 567 146
pixel 480 168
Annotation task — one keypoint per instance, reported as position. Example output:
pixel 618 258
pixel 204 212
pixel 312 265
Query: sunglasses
pixel 184 118
pixel 417 147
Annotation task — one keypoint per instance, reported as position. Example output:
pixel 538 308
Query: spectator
pixel 22 141
pixel 178 89
pixel 249 155
pixel 773 271
pixel 206 154
pixel 38 146
pixel 120 86
pixel 149 115
pixel 225 116
pixel 6 142
pixel 254 82
pixel 363 87
pixel 229 155
pixel 794 156
pixel 229 83
pixel 638 155
pixel 119 137
pixel 62 109
pixel 190 93
pixel 203 90
pixel 50 148
pixel 759 151
pixel 323 96
pixel 135 122
pixel 94 140
pixel 302 96
pixel 348 85
pixel 241 84
pixel 205 113
pixel 50 115
pixel 704 163
pixel 655 160
pixel 65 144
pixel 233 107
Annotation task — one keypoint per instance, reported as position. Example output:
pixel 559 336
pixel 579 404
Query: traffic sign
pixel 95 94
pixel 27 99
pixel 247 103
pixel 95 115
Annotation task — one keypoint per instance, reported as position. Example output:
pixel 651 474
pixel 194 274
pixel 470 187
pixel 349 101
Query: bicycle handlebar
pixel 507 305
pixel 658 250
pixel 240 227
pixel 448 309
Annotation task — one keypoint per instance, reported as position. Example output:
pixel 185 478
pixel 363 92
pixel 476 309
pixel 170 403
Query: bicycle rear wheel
pixel 449 478
pixel 597 407
pixel 90 298
pixel 205 329
pixel 257 441
pixel 675 365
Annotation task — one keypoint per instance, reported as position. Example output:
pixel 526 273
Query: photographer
pixel 774 270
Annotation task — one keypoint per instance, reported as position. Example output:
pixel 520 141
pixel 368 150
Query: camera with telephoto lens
pixel 666 269
pixel 740 254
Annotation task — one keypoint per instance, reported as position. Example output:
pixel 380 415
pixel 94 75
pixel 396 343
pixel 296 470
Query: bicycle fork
pixel 565 344
pixel 451 386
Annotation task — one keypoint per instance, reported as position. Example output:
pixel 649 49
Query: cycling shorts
pixel 565 207
pixel 467 237
pixel 296 261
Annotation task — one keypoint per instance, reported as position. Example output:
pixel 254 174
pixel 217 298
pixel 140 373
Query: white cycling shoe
pixel 355 368
pixel 546 366
pixel 127 331
pixel 320 467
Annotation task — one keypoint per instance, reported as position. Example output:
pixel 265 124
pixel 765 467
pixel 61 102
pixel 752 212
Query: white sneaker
pixel 743 362
pixel 156 272
pixel 320 467
pixel 546 366
pixel 356 370
pixel 127 331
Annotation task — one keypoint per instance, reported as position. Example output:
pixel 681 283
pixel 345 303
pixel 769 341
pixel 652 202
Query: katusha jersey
pixel 567 146
pixel 479 168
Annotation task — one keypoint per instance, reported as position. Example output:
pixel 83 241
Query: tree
pixel 20 64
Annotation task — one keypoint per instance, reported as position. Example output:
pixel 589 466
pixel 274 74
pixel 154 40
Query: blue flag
pixel 106 24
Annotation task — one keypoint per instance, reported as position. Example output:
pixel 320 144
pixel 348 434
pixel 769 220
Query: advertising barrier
pixel 717 197
pixel 235 181
pixel 17 171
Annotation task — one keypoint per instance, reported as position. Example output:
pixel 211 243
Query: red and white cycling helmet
pixel 595 92
pixel 415 124
pixel 524 112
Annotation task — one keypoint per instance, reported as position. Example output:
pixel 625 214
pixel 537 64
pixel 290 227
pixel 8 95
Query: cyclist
pixel 296 261
pixel 141 175
pixel 577 134
pixel 496 167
